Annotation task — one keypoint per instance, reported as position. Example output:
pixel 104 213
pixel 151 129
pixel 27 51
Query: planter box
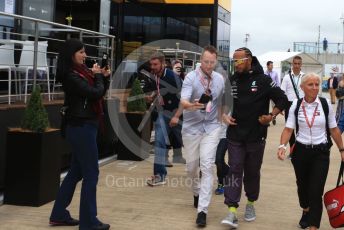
pixel 32 167
pixel 136 148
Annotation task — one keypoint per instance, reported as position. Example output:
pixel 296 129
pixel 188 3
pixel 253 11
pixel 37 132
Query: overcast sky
pixel 274 25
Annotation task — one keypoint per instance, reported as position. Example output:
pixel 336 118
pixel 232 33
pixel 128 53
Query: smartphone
pixel 105 60
pixel 205 98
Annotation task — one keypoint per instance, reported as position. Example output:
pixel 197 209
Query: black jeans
pixel 311 168
pixel 221 166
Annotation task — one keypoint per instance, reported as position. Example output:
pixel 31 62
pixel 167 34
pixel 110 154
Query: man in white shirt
pixel 291 86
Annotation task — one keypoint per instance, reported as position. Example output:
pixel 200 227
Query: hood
pixel 256 68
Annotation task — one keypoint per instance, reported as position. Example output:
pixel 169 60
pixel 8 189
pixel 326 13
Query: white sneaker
pixel 231 220
pixel 155 181
pixel 250 213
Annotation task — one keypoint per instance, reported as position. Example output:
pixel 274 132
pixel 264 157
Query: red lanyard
pixel 157 81
pixel 314 113
pixel 206 85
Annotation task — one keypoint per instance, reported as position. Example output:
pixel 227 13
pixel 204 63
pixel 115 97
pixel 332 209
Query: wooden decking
pixel 125 202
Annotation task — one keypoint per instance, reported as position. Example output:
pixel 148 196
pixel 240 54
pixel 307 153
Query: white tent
pixel 282 62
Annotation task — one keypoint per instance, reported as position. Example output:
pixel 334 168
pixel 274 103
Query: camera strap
pixel 205 81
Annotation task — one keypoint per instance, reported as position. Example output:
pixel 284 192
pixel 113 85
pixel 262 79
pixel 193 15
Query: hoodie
pixel 252 92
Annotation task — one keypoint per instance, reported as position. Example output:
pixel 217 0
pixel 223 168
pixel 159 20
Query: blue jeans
pixel 84 166
pixel 341 123
pixel 162 131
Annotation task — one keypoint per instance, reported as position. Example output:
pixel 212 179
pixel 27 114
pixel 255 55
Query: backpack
pixel 325 107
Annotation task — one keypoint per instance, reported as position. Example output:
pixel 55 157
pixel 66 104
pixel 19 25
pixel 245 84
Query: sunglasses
pixel 239 61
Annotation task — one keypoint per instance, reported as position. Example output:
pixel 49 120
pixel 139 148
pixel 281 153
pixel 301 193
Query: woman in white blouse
pixel 311 154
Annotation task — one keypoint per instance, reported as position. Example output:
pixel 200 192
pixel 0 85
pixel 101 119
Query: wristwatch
pixel 272 115
pixel 282 146
pixel 341 150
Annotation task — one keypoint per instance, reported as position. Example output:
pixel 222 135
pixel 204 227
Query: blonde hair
pixel 309 75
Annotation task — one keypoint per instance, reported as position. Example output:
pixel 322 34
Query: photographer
pixel 84 89
pixel 178 69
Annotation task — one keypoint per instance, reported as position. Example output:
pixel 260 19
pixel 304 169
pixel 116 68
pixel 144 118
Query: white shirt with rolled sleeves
pixel 287 86
pixel 317 134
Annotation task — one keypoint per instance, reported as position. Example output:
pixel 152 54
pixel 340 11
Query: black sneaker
pixel 69 222
pixel 196 201
pixel 201 220
pixel 101 226
pixel 304 220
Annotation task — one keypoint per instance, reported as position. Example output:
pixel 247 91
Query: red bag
pixel 334 202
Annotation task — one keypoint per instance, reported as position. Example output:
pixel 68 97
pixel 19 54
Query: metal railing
pixel 317 48
pixel 57 34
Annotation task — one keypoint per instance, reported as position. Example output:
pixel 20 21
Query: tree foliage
pixel 35 115
pixel 135 101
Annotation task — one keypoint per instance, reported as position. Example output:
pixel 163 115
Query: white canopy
pixel 282 62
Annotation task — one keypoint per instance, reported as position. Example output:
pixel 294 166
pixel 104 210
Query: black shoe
pixel 69 222
pixel 101 226
pixel 201 220
pixel 196 201
pixel 168 163
pixel 304 220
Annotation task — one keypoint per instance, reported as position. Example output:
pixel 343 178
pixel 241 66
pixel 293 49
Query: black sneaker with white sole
pixel 201 220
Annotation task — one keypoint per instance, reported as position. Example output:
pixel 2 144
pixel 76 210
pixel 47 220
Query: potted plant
pixel 32 159
pixel 136 108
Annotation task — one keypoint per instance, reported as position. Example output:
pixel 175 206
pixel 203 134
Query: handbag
pixel 334 201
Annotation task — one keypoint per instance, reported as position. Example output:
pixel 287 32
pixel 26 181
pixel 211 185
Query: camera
pixel 181 69
pixel 105 60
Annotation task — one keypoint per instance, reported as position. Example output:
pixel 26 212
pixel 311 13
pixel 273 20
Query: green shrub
pixel 136 104
pixel 35 116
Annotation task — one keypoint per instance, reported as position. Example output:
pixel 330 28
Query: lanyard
pixel 205 83
pixel 306 117
pixel 298 79
pixel 157 81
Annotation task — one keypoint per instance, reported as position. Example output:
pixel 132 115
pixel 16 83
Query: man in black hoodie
pixel 247 131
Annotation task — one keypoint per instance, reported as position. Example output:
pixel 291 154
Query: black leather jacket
pixel 79 96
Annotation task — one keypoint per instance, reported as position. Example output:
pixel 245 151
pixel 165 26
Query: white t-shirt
pixel 317 134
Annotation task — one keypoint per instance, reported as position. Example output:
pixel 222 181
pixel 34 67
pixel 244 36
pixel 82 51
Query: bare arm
pixel 191 105
pixel 175 119
pixel 285 136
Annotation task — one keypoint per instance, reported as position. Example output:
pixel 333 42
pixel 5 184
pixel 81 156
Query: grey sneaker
pixel 250 213
pixel 230 220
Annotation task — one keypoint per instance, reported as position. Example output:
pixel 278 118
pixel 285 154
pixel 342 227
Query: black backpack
pixel 324 105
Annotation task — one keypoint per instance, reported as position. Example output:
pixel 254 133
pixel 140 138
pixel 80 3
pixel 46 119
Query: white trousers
pixel 200 152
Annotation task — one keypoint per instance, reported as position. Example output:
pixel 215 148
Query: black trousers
pixel 311 168
pixel 221 166
pixel 286 114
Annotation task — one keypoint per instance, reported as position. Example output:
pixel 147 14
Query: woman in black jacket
pixel 84 90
